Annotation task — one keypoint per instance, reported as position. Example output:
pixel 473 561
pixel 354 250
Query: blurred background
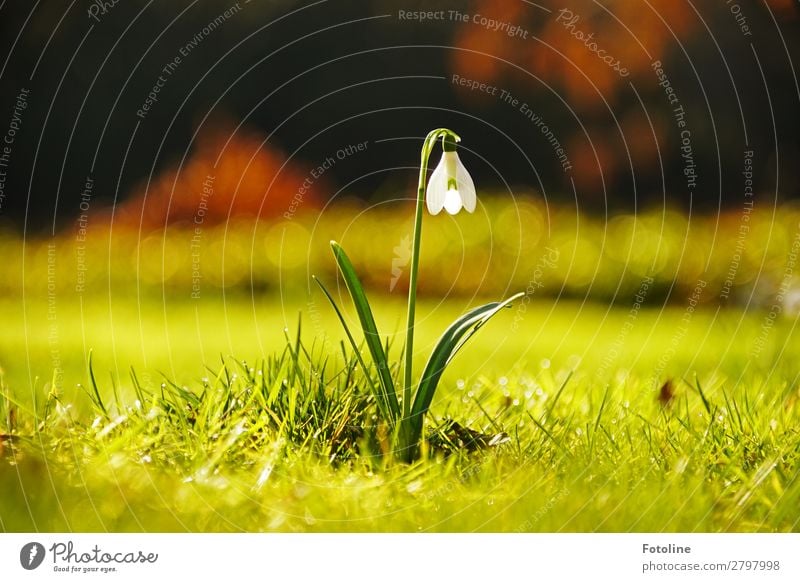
pixel 146 102
pixel 289 83
pixel 171 154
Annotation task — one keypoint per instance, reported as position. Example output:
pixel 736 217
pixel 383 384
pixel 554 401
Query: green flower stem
pixel 427 148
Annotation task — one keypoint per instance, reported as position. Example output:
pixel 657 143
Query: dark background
pixel 311 78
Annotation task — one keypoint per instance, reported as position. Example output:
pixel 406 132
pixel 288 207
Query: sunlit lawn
pixel 591 446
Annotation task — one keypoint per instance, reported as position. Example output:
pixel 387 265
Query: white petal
pixel 437 186
pixel 451 162
pixel 466 187
pixel 452 201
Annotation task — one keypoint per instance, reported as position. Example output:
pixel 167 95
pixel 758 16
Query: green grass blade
pixel 558 394
pixel 371 335
pixel 702 394
pixel 96 399
pixel 597 421
pixel 450 341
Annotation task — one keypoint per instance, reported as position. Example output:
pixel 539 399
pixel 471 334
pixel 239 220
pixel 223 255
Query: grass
pixel 591 435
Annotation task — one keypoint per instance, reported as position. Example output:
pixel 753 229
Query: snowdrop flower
pixel 450 186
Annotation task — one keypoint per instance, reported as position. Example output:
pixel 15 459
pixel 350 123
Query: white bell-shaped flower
pixel 450 186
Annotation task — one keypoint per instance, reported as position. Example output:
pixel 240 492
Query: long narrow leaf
pixel 450 341
pixel 382 403
pixel 371 335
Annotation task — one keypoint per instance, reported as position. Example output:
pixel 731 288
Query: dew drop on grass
pixel 579 431
pixel 117 460
pixel 277 521
pixel 545 364
pixel 460 384
pixel 264 476
pixel 414 486
pixel 502 381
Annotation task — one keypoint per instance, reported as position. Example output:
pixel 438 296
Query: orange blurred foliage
pixel 587 52
pixel 231 173
pixel 595 164
pixel 634 33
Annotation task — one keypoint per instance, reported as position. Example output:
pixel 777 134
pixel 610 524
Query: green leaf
pixel 371 335
pixel 451 341
pixel 383 405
